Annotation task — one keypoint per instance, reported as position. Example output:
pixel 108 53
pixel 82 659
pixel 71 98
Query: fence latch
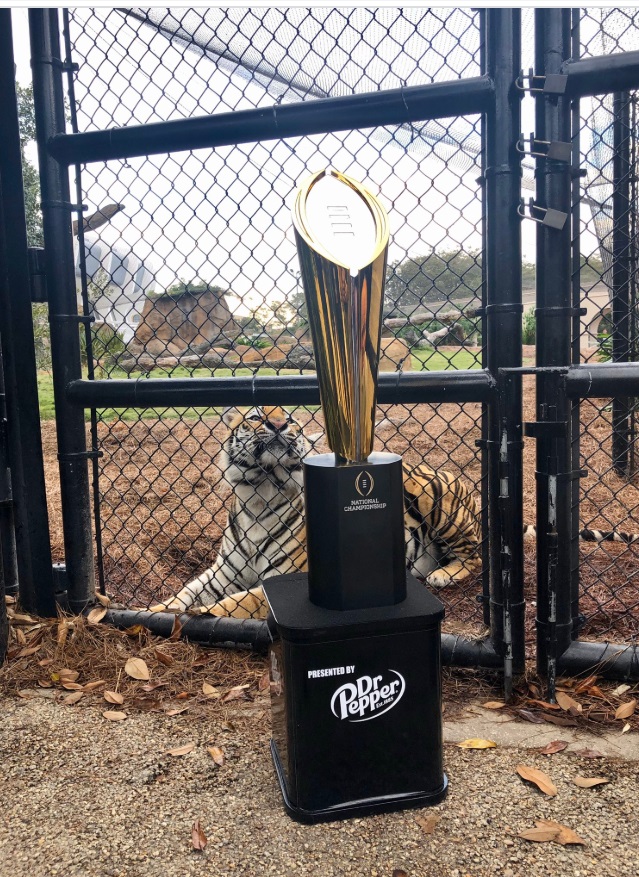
pixel 551 83
pixel 549 216
pixel 556 150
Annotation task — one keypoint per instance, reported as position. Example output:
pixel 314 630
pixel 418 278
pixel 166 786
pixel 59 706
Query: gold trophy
pixel 354 496
pixel 354 653
pixel 342 234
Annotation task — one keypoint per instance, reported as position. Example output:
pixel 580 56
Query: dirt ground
pixel 163 503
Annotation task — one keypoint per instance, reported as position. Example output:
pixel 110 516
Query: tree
pixel 418 281
pixel 31 181
pixel 181 287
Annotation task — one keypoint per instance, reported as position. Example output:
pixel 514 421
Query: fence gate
pixel 189 132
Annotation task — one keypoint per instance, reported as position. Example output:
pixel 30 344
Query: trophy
pixel 355 652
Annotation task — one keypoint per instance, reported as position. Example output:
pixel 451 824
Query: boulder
pixel 394 355
pixel 189 323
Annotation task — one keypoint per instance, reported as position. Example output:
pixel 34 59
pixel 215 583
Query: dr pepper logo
pixel 368 697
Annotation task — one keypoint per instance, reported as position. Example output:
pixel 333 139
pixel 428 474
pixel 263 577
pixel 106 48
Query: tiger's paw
pixel 439 579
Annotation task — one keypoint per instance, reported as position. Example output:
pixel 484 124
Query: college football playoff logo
pixel 364 484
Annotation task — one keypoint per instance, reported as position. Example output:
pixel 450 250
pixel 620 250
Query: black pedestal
pixel 355 531
pixel 356 702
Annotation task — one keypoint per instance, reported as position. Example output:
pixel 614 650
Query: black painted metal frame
pixel 496 94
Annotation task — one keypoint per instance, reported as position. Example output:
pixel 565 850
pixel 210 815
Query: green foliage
pixel 41 337
pixel 192 287
pixel 107 345
pixel 528 327
pixel 31 180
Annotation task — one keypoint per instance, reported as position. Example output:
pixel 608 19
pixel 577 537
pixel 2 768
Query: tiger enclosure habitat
pixel 170 144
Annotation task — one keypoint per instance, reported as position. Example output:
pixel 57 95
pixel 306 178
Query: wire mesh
pixel 191 267
pixel 608 280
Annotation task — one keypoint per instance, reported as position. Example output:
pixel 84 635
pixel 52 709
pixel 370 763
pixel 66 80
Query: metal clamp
pixel 555 150
pixel 551 218
pixel 64 205
pixel 551 83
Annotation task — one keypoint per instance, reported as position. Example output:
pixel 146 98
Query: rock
pixel 190 323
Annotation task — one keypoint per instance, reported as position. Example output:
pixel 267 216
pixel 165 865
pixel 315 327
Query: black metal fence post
pixel 63 315
pixel 33 550
pixel 503 312
pixel 621 341
pixel 554 317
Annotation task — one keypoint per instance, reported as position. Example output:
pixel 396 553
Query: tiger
pixel 266 533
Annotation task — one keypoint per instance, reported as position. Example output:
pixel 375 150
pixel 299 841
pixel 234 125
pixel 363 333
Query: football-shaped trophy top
pixel 342 233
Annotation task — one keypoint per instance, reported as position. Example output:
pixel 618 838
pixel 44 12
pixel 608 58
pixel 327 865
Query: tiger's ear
pixel 232 416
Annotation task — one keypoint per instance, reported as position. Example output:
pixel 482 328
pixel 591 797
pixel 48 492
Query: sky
pixel 224 215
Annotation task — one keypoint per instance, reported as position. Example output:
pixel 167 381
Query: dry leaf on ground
pixel 96 615
pixel 113 697
pixel 163 658
pixel 539 778
pixel 625 729
pixel 589 782
pixel 70 699
pixel 547 830
pixel 115 716
pixel 626 710
pixel 531 717
pixel 265 681
pixel 198 838
pixel 181 750
pixel 567 703
pixel 91 686
pixel 493 705
pixel 66 675
pixel 237 693
pixel 209 690
pixel 588 753
pixel 554 746
pixel 136 668
pixel 477 743
pixel 428 823
pixel 216 754
pixel 103 599
pixel 621 689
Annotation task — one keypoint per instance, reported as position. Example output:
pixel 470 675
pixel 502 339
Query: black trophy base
pixel 354 809
pixel 356 703
pixel 355 531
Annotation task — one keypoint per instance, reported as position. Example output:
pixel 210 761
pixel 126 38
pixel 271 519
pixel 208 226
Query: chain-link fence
pixel 607 277
pixel 190 266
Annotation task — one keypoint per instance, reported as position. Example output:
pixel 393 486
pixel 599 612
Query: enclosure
pixel 170 143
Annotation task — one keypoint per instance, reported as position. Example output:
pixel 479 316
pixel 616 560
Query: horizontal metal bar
pixel 603 380
pixel 609 660
pixel 457 97
pixel 460 652
pixel 602 75
pixel 205 629
pixel 471 385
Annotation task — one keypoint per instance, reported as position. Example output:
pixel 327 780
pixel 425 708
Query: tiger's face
pixel 264 438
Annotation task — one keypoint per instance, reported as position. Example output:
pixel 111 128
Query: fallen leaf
pixel 562 721
pixel 103 599
pixel 63 631
pixel 67 675
pixel 625 729
pixel 163 658
pixel 227 726
pixel 237 693
pixel 209 690
pixel 136 668
pixel 114 716
pixel 176 712
pixel 10 600
pixel 151 686
pixel 565 835
pixel 20 637
pixel 96 615
pixel 585 684
pixel 45 662
pixel 539 834
pixel 493 705
pixel 265 681
pixel 21 618
pixel 554 746
pixel 216 754
pixel 621 689
pixel 595 691
pixel 182 695
pixel 428 823
pixel 91 686
pixel 72 686
pixel 181 750
pixel 25 653
pixel 531 717
pixel 588 753
pixel 477 743
pixel 176 630
pixel 113 697
pixel 566 702
pixel 134 630
pixel 626 710
pixel 198 838
pixel 44 683
pixel 72 698
pixel 589 782
pixel 539 778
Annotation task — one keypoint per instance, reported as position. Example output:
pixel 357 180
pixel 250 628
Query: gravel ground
pixel 84 796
